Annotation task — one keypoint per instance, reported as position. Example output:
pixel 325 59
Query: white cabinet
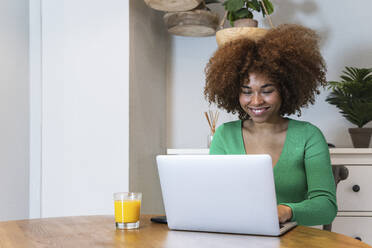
pixel 354 195
pixel 359 227
pixel 354 199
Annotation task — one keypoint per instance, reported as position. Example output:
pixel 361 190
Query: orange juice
pixel 127 211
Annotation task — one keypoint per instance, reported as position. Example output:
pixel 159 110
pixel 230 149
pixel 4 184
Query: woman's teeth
pixel 258 111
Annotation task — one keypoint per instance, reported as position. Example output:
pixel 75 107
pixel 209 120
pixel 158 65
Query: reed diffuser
pixel 212 118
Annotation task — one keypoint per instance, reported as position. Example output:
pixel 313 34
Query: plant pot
pixel 360 137
pixel 246 22
pixel 226 35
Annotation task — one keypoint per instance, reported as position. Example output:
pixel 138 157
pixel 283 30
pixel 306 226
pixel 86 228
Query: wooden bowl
pixel 230 34
pixel 173 5
pixel 195 23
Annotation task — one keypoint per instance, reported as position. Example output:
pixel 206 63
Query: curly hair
pixel 288 55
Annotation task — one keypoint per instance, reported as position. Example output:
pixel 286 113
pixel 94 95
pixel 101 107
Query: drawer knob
pixel 356 188
pixel 358 238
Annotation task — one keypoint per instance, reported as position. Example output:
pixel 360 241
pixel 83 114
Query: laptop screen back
pixel 219 193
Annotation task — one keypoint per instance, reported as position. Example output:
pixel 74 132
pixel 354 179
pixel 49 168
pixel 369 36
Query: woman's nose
pixel 256 100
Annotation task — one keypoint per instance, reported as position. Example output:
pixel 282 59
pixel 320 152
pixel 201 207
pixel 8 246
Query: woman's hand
pixel 284 213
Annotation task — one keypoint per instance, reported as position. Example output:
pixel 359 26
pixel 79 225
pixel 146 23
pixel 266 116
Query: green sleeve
pixel 320 205
pixel 217 145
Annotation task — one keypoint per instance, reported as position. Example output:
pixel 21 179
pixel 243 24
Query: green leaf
pixel 234 5
pixel 269 7
pixel 254 5
pixel 355 74
pixel 211 1
pixel 231 17
pixel 243 13
pixel 333 84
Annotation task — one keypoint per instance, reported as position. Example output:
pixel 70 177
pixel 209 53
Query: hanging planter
pixel 226 35
pixel 173 5
pixel 196 23
pixel 239 13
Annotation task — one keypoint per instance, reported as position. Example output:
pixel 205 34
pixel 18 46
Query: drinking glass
pixel 127 209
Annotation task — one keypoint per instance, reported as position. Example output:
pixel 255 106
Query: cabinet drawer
pixel 354 227
pixel 349 200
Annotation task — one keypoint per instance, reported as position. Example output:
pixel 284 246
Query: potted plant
pixel 353 96
pixel 240 12
pixel 240 15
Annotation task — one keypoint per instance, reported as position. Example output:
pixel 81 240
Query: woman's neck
pixel 273 126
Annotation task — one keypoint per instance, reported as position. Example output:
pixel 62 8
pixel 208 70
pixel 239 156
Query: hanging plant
pixel 242 9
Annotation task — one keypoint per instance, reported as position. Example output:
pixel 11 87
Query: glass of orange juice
pixel 127 209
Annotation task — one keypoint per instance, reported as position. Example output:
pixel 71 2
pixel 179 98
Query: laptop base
pixel 160 219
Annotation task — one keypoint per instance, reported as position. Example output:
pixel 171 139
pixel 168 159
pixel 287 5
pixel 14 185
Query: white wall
pixel 83 136
pixel 35 108
pixel 346 41
pixel 85 106
pixel 14 112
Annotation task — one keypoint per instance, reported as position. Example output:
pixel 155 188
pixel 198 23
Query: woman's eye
pixel 268 92
pixel 246 92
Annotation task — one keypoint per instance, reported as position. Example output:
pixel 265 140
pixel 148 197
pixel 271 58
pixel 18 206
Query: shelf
pixel 350 151
pixel 351 156
pixel 354 214
pixel 339 156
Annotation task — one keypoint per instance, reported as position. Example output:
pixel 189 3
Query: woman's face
pixel 260 98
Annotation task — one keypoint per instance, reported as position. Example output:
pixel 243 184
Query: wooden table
pixel 99 231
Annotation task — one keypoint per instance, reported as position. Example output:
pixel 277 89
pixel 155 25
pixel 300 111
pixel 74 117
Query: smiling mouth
pixel 258 111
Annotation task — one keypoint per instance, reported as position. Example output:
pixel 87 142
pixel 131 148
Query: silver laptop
pixel 220 193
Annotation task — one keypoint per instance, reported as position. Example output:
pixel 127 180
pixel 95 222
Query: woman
pixel 264 81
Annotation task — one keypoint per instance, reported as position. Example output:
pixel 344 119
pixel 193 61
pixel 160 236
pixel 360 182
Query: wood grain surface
pixel 173 5
pixel 226 35
pixel 99 231
pixel 196 23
